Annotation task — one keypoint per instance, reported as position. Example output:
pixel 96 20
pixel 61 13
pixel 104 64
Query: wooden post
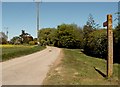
pixel 110 46
pixel 108 23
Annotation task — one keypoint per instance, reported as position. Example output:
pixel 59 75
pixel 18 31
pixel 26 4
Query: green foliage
pixel 47 36
pixel 87 30
pixel 32 42
pixel 91 22
pixel 91 39
pixel 117 44
pixel 96 44
pixel 77 68
pixel 15 40
pixel 117 34
pixel 25 37
pixel 118 16
pixel 69 36
pixel 66 35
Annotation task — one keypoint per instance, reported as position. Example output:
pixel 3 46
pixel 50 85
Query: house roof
pixel 2 35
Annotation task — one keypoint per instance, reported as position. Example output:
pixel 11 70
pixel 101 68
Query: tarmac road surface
pixel 30 69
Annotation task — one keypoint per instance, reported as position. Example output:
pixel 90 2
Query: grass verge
pixel 77 68
pixel 12 51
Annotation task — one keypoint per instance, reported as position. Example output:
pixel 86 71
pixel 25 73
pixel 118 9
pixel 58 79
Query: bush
pixel 32 43
pixel 96 44
pixel 46 36
pixel 69 36
pixel 117 44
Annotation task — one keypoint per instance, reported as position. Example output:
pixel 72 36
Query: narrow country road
pixel 30 69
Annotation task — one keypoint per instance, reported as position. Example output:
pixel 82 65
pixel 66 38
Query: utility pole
pixel 108 23
pixel 38 22
pixel 37 7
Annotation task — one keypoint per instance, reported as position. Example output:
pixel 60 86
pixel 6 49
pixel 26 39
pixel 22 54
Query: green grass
pixel 77 68
pixel 12 51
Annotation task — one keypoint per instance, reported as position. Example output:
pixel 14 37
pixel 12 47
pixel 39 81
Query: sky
pixel 60 0
pixel 17 16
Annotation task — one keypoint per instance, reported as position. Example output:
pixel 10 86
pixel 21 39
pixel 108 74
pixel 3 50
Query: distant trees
pixel 69 36
pixel 90 38
pixel 34 42
pixel 118 17
pixel 90 27
pixel 24 38
pixel 47 36
pixel 66 35
pixel 91 22
pixel 15 40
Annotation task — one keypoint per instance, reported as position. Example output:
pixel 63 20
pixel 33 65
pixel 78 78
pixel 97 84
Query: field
pixel 77 68
pixel 11 51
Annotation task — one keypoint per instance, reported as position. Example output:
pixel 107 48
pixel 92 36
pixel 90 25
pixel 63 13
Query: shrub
pixel 46 36
pixel 69 36
pixel 117 44
pixel 32 43
pixel 97 44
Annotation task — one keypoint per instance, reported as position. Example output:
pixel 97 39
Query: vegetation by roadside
pixel 12 51
pixel 77 68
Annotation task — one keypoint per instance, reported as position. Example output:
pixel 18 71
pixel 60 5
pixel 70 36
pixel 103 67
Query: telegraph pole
pixel 108 23
pixel 37 11
pixel 38 21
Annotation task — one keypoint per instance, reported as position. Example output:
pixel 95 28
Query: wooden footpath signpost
pixel 108 23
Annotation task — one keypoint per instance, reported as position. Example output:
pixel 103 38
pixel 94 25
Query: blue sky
pixel 60 0
pixel 22 15
pixel 0 15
